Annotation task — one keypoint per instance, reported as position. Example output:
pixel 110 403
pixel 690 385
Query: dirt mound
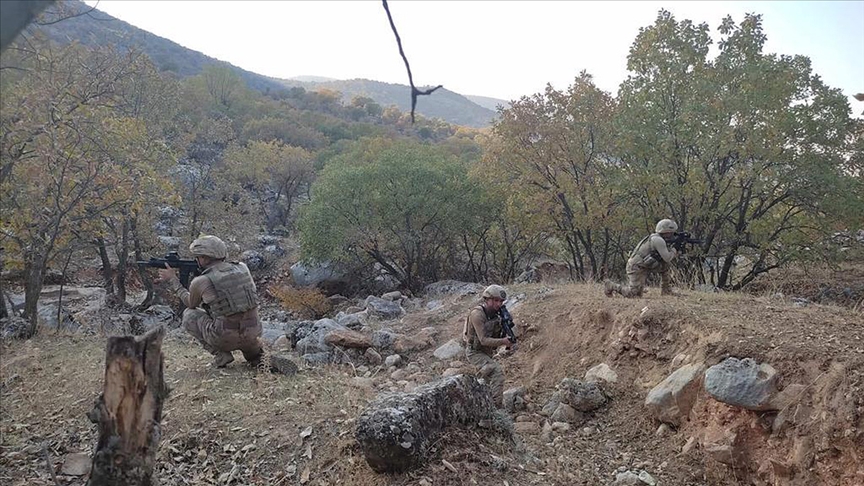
pixel 232 426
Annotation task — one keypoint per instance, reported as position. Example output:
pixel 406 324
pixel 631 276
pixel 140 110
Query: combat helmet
pixel 495 292
pixel 209 246
pixel 666 226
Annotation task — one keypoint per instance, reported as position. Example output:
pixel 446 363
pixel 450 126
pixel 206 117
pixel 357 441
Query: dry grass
pixel 236 426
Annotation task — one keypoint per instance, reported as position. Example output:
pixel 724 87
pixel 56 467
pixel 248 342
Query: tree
pixel 397 204
pixel 747 150
pixel 559 146
pixel 222 83
pixel 56 121
pixel 273 174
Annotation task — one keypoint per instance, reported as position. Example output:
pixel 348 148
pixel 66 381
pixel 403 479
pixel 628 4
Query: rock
pixel 13 327
pixel 546 432
pixel 348 339
pixel 282 364
pixel 270 335
pixel 627 478
pixel 511 397
pixel 447 287
pixel 647 478
pixel 77 464
pixel 393 360
pixel 363 382
pixel 396 430
pixel 311 275
pixel 722 445
pixel 673 398
pixel 434 304
pixel 743 383
pixel 254 260
pixel 355 321
pixel 566 413
pixel 157 315
pixel 449 350
pixel 551 405
pixel 393 296
pixel 399 375
pixel 282 343
pixel 314 338
pixel 583 397
pixel 383 339
pixel 688 447
pixel 679 360
pixel 418 342
pixel 383 309
pixel 452 372
pixel 601 372
pixel 560 427
pixel 526 428
pixel 274 251
pixel 372 356
pixel 267 240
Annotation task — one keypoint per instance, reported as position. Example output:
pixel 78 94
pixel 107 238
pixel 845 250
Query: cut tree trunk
pixel 129 411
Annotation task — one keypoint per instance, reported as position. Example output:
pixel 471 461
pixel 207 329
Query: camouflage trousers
pixel 487 368
pixel 222 335
pixel 637 276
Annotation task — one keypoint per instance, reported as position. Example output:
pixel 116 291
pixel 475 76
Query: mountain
pixel 98 29
pixel 443 103
pixel 487 102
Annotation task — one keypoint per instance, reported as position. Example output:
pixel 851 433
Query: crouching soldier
pixel 652 254
pixel 483 335
pixel 221 303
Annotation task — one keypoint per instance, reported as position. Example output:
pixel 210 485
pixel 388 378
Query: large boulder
pixel 316 275
pixel 347 338
pixel 383 309
pixel 584 397
pixel 743 383
pixel 396 430
pixel 254 260
pixel 673 398
pixel 449 350
pixel 314 339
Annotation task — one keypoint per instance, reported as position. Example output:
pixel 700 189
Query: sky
pixel 501 49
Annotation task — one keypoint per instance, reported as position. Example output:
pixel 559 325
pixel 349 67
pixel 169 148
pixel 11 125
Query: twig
pixel 71 16
pixel 414 91
pixel 48 463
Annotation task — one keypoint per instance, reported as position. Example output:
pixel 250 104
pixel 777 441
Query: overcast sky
pixel 502 49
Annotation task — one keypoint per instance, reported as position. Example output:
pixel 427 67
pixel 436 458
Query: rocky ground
pixel 239 426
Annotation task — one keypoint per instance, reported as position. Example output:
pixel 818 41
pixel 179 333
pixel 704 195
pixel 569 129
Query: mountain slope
pixel 488 102
pixel 99 29
pixel 443 103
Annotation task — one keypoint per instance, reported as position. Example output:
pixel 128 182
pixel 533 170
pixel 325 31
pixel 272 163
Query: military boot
pixel 222 359
pixel 609 288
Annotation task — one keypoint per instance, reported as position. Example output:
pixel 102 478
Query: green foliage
pixel 396 203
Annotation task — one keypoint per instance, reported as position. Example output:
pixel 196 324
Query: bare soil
pixel 236 426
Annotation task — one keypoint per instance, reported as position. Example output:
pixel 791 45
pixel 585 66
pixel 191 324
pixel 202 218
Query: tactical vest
pixel 650 258
pixel 469 336
pixel 235 289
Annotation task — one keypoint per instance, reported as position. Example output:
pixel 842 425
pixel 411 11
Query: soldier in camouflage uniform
pixel 652 254
pixel 483 335
pixel 222 303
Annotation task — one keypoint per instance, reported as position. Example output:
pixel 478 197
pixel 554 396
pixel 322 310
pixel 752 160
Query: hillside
pixel 233 426
pixel 443 103
pixel 101 29
pixel 487 102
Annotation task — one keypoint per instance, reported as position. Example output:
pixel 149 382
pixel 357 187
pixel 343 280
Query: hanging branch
pixel 414 91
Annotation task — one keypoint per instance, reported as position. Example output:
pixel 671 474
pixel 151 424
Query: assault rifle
pixel 683 238
pixel 507 323
pixel 188 268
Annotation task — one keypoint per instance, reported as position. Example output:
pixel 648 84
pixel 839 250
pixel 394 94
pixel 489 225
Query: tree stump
pixel 129 411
